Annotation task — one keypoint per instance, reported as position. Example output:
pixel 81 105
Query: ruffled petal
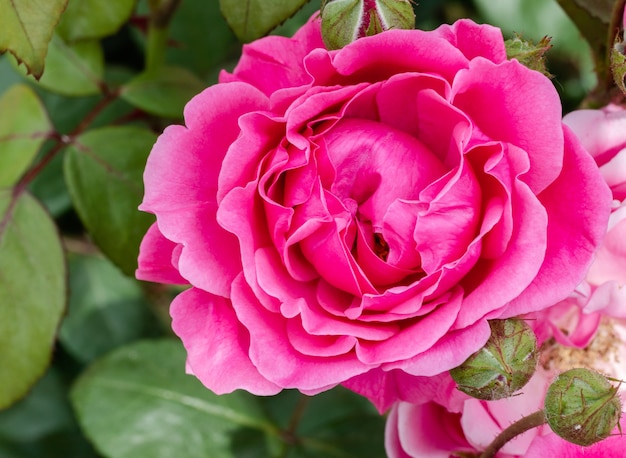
pixel 217 344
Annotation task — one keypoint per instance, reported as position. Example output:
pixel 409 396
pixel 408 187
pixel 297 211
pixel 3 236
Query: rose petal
pixel 577 225
pixel 283 364
pixel 181 184
pixel 156 259
pixel 273 63
pixel 503 101
pixel 217 344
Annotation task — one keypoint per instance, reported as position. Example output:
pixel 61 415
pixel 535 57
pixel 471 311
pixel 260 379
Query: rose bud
pixel 503 366
pixel 582 406
pixel 343 21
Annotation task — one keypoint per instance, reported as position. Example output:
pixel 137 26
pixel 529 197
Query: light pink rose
pixel 435 429
pixel 603 134
pixel 359 214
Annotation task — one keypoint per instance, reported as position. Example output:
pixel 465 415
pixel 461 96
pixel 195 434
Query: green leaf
pixel 33 291
pixel 43 412
pixel 164 93
pixel 251 19
pixel 138 402
pixel 73 69
pixel 104 170
pixel 42 424
pixel 87 19
pixel 23 130
pixel 106 309
pixel 27 28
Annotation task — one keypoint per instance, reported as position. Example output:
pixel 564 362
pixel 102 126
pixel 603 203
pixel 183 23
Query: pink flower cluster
pixel 443 426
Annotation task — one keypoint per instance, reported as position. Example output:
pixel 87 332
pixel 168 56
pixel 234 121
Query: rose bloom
pixel 357 215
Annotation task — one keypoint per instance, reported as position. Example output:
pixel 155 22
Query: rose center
pixel 376 165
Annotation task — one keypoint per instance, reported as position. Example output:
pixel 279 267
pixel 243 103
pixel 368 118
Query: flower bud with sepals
pixel 344 21
pixel 582 406
pixel 503 366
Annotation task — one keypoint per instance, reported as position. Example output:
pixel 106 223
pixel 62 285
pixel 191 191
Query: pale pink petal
pixel 601 132
pixel 429 430
pixel 610 260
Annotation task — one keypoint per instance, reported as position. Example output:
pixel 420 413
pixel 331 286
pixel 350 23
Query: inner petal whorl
pixel 376 165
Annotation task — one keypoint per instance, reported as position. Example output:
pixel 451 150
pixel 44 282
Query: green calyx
pixel 529 54
pixel 344 21
pixel 503 366
pixel 582 406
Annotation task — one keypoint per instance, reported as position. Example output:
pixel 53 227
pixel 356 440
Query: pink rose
pixel 359 214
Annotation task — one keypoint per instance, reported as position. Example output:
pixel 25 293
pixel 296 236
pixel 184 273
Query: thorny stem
pixel 529 422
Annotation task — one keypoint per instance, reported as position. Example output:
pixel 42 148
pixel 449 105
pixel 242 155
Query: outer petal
pixel 429 430
pixel 503 101
pixel 217 344
pixel 181 183
pixel 552 445
pixel 273 63
pixel 579 205
pixel 602 132
pixel 379 57
pixel 275 357
pixel 383 388
pixel 475 40
pixel 450 351
pixel 156 259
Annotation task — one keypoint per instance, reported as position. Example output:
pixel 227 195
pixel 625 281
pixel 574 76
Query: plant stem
pixel 531 421
pixel 289 435
pixel 158 33
pixel 155 47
